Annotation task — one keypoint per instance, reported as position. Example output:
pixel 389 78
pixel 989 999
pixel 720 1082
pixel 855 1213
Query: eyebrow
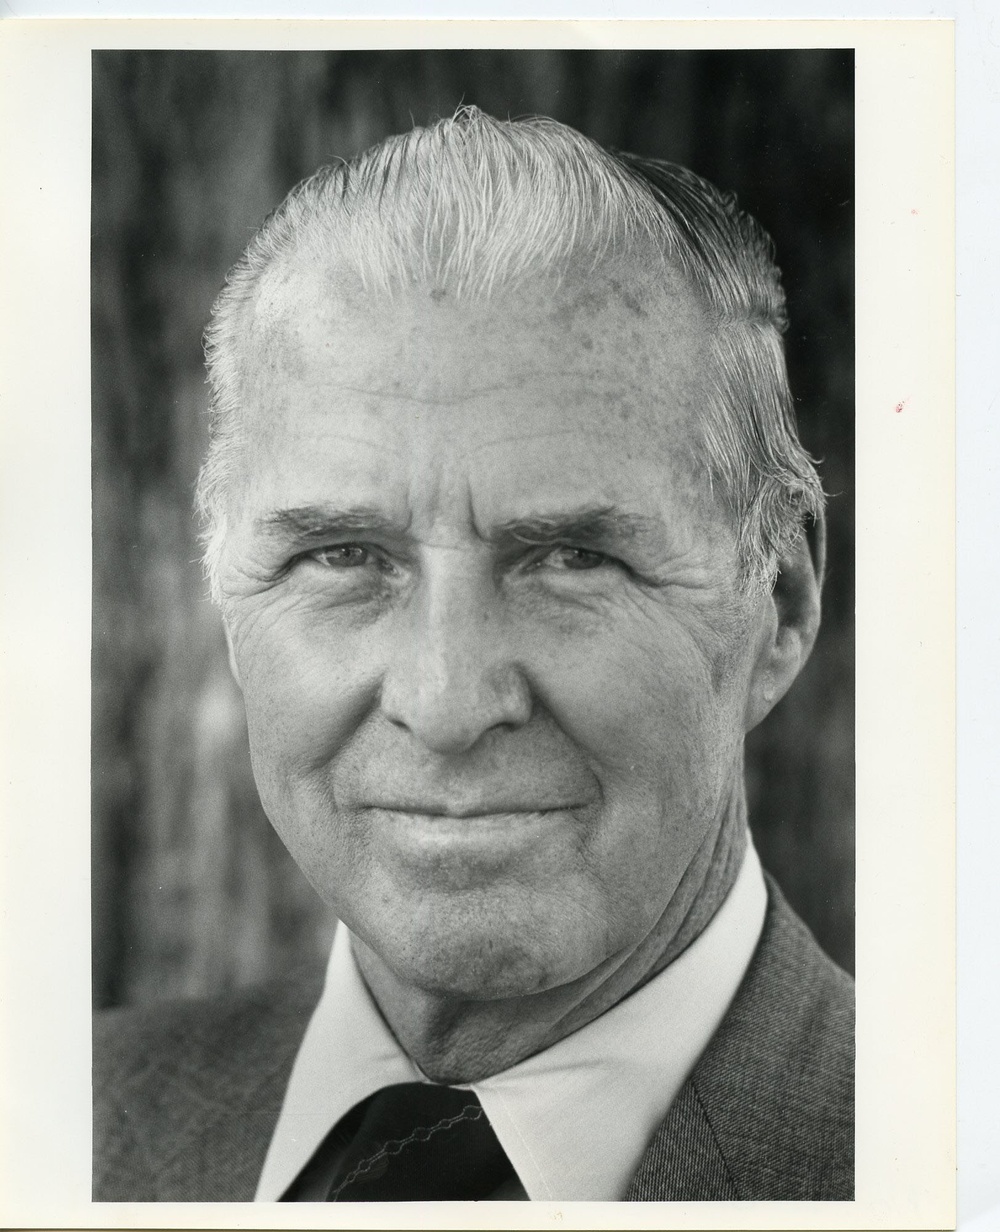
pixel 590 527
pixel 312 523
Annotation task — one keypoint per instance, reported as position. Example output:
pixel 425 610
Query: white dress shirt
pixel 574 1119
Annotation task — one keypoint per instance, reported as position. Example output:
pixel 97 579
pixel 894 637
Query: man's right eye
pixel 341 556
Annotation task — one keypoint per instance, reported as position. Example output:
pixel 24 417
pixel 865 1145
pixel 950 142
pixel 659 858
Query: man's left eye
pixel 574 558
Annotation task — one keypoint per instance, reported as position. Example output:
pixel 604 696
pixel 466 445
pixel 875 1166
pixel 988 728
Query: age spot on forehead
pixel 628 298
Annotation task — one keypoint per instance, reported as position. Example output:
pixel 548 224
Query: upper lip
pixel 469 809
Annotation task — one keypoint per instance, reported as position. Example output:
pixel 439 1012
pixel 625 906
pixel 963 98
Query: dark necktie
pixel 412 1142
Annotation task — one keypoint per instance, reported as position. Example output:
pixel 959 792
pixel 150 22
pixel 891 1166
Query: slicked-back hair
pixel 475 205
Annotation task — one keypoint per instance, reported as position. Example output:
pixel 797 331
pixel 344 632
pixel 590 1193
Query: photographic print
pixel 620 245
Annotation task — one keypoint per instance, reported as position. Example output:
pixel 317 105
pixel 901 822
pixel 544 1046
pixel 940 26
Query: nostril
pixel 450 714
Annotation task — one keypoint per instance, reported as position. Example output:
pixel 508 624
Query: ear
pixel 790 623
pixel 232 656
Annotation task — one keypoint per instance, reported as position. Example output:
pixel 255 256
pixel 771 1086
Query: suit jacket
pixel 186 1095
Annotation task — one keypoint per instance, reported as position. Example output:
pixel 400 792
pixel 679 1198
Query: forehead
pixel 640 326
pixel 556 383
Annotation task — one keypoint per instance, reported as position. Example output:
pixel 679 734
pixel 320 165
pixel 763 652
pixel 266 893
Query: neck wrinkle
pixel 724 864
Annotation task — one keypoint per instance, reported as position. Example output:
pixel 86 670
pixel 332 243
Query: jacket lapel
pixel 684 1162
pixel 768 1113
pixel 228 1103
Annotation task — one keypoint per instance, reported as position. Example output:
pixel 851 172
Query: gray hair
pixel 475 204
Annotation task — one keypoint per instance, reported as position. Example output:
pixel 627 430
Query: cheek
pixel 665 748
pixel 642 707
pixel 306 692
pixel 306 686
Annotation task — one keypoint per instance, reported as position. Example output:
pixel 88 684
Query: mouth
pixel 483 832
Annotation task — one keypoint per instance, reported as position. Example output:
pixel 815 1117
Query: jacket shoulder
pixel 186 1093
pixel 768 1113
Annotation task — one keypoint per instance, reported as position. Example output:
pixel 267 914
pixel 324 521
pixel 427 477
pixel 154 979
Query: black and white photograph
pixel 473 777
pixel 479 541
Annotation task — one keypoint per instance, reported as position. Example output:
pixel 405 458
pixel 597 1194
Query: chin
pixel 484 960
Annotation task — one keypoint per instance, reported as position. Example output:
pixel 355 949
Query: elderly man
pixel 514 542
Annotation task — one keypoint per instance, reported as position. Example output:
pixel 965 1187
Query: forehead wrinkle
pixel 380 446
pixel 528 377
pixel 394 395
pixel 514 438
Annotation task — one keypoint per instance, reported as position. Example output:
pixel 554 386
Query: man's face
pixel 484 611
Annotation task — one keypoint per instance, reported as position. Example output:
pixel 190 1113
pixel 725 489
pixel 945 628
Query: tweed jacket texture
pixel 186 1095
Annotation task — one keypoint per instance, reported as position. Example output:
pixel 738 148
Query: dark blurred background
pixel 192 892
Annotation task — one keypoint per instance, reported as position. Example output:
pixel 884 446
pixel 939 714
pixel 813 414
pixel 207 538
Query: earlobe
pixel 232 656
pixel 791 624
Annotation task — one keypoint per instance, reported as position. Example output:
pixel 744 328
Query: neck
pixel 455 1040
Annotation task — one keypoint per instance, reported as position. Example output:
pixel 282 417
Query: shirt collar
pixel 552 1111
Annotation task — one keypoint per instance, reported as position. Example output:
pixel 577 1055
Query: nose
pixel 451 678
